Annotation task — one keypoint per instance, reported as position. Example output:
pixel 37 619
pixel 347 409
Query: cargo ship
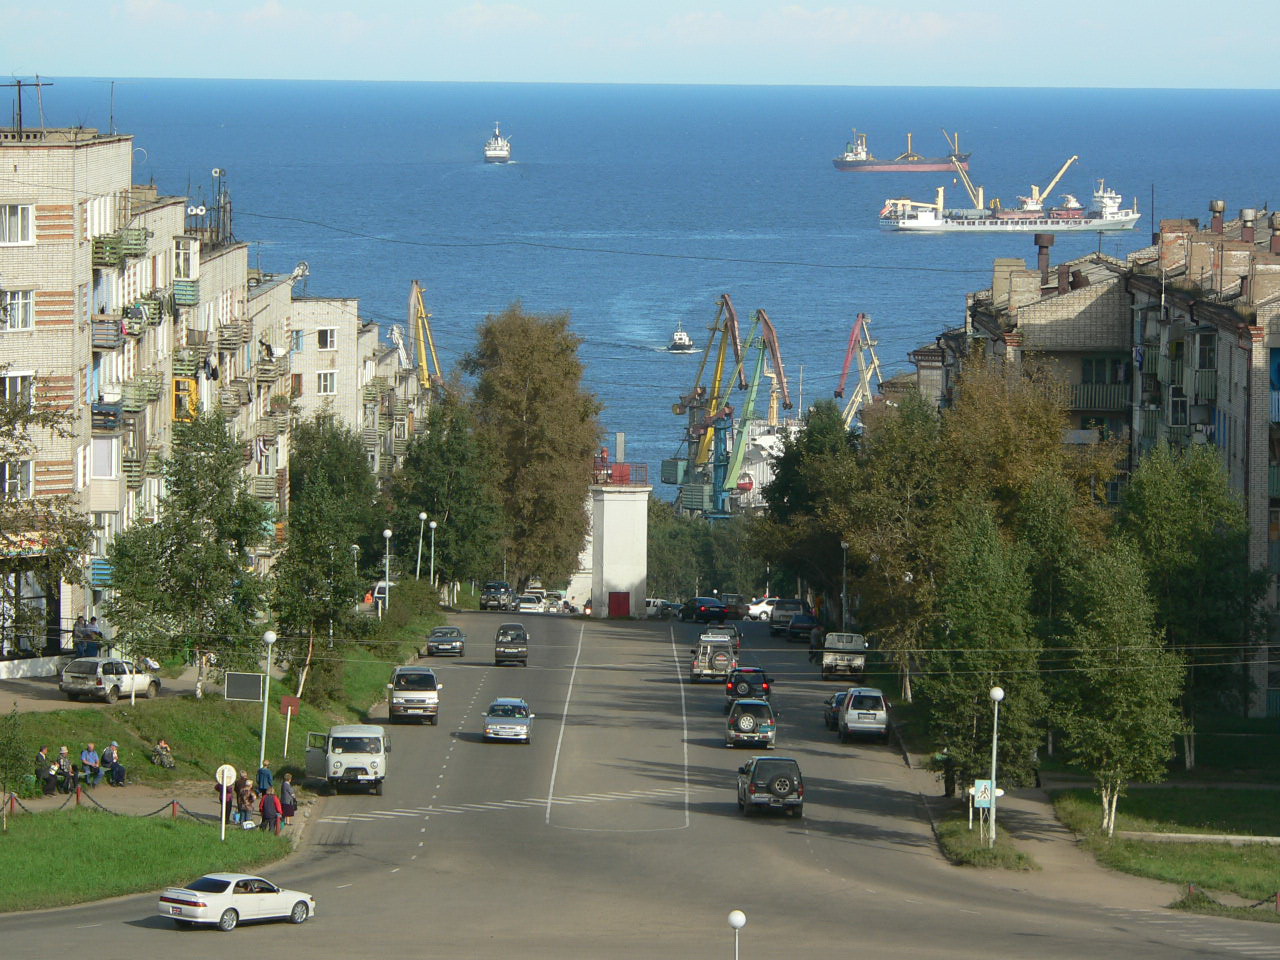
pixel 857 157
pixel 497 149
pixel 1030 214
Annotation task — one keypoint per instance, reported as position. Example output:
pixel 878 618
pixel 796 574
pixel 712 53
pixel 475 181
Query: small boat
pixel 497 149
pixel 681 342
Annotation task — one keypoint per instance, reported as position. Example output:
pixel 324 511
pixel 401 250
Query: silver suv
pixel 782 612
pixel 751 722
pixel 865 712
pixel 713 659
pixel 106 678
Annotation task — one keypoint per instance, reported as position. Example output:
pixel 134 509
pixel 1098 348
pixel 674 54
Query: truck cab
pixel 843 654
pixel 349 755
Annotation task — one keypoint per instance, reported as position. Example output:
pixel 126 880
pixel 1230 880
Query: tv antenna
pixel 18 85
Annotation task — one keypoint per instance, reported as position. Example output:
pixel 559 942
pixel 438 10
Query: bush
pixel 964 847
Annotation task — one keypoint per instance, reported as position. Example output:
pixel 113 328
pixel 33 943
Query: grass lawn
pixel 1252 872
pixel 964 847
pixel 162 852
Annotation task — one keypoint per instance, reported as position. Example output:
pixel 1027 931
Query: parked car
pixel 511 645
pixel 800 628
pixel 107 679
pixel 746 683
pixel 751 722
pixel 735 605
pixel 730 631
pixel 702 610
pixel 782 611
pixel 508 718
pixel 226 899
pixel 831 709
pixel 528 603
pixel 446 640
pixel 843 654
pixel 712 659
pixel 380 590
pixel 656 609
pixel 771 783
pixel 865 712
pixel 759 609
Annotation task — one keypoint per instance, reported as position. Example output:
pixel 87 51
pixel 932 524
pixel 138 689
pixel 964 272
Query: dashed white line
pixel 564 719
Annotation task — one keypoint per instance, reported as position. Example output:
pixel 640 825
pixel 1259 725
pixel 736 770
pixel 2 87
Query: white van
pixel 414 694
pixel 352 754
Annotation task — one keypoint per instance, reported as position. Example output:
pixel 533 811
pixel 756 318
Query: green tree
pixel 984 639
pixel 1119 712
pixel 450 475
pixel 1191 531
pixel 674 561
pixel 331 495
pixel 15 760
pixel 186 580
pixel 532 409
pixel 44 535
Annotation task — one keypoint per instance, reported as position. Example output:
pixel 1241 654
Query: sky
pixel 985 43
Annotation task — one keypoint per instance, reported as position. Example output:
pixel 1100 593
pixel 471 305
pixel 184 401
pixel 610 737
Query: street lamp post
pixel 269 638
pixel 386 581
pixel 997 694
pixel 737 920
pixel 422 520
pixel 432 525
pixel 844 585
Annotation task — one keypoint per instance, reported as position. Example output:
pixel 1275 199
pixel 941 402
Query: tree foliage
pixel 532 409
pixel 186 580
pixel 16 758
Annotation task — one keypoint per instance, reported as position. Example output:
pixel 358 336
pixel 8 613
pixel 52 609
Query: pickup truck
pixel 843 654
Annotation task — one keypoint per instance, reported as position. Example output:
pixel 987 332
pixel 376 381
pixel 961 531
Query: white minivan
pixel 865 712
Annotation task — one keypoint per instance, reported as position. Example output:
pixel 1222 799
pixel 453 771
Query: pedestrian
pixel 246 797
pixel 93 638
pixel 46 772
pixel 79 635
pixel 226 801
pixel 266 779
pixel 288 800
pixel 270 809
pixel 162 754
pixel 91 764
pixel 111 763
pixel 66 771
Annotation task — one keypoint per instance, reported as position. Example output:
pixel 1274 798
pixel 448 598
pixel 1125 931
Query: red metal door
pixel 619 603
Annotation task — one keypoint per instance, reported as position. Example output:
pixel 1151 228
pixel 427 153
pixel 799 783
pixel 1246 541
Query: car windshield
pixel 356 745
pixel 731 598
pixel 866 701
pixel 497 585
pixel 845 641
pixel 752 676
pixel 446 632
pixel 771 768
pixel 508 710
pixel 85 667
pixel 760 711
pixel 789 606
pixel 208 885
pixel 415 681
pixel 512 636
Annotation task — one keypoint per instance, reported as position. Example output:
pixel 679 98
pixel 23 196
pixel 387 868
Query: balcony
pixel 235 395
pixel 132 471
pixel 266 428
pixel 198 343
pixel 107 251
pixel 1180 435
pixel 100 572
pixel 108 332
pixel 107 416
pixel 1205 385
pixel 232 335
pixel 264 487
pixel 153 466
pixel 185 364
pixel 1100 396
pixel 370 436
pixel 269 371
pixel 186 293
pixel 611 473
pixel 133 241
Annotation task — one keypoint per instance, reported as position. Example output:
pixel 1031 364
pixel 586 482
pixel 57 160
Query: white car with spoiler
pixel 227 899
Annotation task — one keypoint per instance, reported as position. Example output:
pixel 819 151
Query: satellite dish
pixel 218 171
pixel 191 211
pixel 200 211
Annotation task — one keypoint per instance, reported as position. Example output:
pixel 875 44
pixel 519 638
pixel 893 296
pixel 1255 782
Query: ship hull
pixel 1011 224
pixel 923 165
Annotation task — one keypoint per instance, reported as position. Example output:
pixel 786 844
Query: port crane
pixel 764 343
pixel 707 404
pixel 864 348
pixel 1038 196
pixel 430 376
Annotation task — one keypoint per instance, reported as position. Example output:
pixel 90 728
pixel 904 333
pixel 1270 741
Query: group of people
pixel 86 637
pixel 61 774
pixel 245 796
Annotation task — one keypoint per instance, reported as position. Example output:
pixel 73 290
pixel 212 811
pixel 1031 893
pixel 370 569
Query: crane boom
pixel 770 334
pixel 860 342
pixel 429 374
pixel 975 193
pixel 749 409
pixel 1038 195
pixel 725 334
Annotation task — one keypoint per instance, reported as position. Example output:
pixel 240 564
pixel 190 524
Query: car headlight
pixel 373 764
pixel 337 766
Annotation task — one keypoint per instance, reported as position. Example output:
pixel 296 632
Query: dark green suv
pixel 771 783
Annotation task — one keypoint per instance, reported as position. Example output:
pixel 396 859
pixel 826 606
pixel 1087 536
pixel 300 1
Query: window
pixel 400 429
pixel 1177 408
pixel 295 385
pixel 298 340
pixel 105 455
pixel 186 258
pixel 326 382
pixel 1207 351
pixel 15 223
pixel 1104 370
pixel 327 338
pixel 17 310
pixel 16 480
pixel 17 388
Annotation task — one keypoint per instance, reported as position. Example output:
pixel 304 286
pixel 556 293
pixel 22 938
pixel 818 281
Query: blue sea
pixel 633 208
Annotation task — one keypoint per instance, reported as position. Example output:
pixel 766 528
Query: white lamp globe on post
pixel 997 694
pixel 737 920
pixel 269 638
pixel 422 520
pixel 432 573
pixel 386 577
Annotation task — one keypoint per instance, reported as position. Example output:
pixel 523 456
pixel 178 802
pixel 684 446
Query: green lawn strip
pixel 966 848
pixel 1197 901
pixel 162 852
pixel 1251 871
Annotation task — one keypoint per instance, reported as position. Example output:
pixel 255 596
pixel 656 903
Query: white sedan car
pixel 529 603
pixel 225 899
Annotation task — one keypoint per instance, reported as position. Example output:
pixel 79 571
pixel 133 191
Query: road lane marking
pixel 684 722
pixel 564 719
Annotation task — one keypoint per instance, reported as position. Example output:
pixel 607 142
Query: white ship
pixel 497 149
pixel 1030 213
pixel 681 342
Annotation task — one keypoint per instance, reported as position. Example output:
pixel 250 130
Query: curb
pixel 1232 839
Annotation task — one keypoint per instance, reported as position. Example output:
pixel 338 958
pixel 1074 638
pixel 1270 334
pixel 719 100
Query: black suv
pixel 771 782
pixel 496 595
pixel 746 683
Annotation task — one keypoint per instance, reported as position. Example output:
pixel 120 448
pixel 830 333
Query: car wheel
pixel 798 810
pixel 153 691
pixel 113 694
pixel 300 912
pixel 228 920
pixel 377 789
pixel 742 688
pixel 746 723
pixel 527 741
pixel 844 736
pixel 435 721
pixel 462 651
pixel 741 805
pixel 780 786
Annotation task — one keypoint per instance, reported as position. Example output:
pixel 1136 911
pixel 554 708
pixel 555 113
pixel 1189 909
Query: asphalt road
pixel 615 834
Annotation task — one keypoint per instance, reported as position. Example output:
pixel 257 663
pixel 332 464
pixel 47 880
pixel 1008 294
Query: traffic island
pixel 963 845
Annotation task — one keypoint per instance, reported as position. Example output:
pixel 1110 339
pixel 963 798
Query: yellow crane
pixel 705 403
pixel 429 374
pixel 975 193
pixel 1038 196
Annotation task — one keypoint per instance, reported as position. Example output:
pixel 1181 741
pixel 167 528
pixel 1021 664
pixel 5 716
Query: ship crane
pixel 766 342
pixel 430 376
pixel 1035 202
pixel 706 403
pixel 975 193
pixel 864 348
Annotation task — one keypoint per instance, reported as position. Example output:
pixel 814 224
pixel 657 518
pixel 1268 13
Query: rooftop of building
pixel 26 136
